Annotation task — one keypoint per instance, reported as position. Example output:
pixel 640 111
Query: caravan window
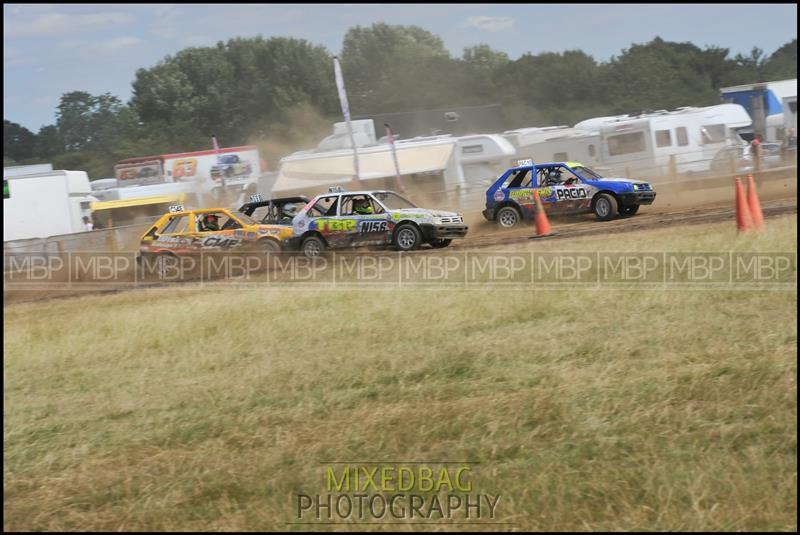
pixel 626 143
pixel 560 157
pixel 663 139
pixel 713 133
pixel 591 150
pixel 683 136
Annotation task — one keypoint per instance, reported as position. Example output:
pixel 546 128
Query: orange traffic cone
pixel 542 224
pixel 754 204
pixel 743 221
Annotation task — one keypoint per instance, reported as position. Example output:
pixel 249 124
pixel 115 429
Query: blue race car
pixel 564 188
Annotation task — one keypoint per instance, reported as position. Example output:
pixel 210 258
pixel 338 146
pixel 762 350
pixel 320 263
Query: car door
pixel 364 228
pixel 221 239
pixel 336 229
pixel 520 190
pixel 561 190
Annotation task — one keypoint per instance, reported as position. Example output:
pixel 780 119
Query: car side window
pixel 520 179
pixel 176 225
pixel 325 206
pixel 376 206
pixel 349 200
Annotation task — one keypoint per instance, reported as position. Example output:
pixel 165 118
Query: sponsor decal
pixel 374 226
pixel 398 217
pixel 334 225
pixel 219 241
pixel 572 193
pixel 521 195
pixel 499 195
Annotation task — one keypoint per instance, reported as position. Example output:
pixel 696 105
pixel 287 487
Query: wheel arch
pixel 598 193
pixel 315 233
pixel 513 204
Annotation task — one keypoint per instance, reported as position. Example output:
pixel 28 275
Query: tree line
pixel 279 93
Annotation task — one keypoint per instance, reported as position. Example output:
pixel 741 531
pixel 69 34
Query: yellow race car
pixel 182 232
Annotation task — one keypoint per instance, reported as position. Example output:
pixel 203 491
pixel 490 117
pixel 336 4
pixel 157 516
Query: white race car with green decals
pixel 342 219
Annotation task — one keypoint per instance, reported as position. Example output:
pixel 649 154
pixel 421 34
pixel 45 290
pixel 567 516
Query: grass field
pixel 584 409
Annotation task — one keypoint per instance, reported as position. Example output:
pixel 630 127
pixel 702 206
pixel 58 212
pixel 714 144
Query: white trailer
pixel 556 144
pixel 45 204
pixel 665 143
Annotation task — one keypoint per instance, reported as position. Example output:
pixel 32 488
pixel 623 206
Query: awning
pixel 324 169
pixel 141 201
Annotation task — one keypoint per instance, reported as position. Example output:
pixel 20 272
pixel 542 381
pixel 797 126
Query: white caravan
pixel 664 143
pixel 556 144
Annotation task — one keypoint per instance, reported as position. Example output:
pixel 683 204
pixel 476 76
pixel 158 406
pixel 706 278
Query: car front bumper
pixel 637 197
pixel 443 232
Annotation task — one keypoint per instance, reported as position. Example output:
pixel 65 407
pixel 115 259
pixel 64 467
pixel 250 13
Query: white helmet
pixel 290 209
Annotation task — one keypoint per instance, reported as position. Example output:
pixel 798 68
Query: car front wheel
pixel 312 247
pixel 440 244
pixel 270 246
pixel 605 207
pixel 407 237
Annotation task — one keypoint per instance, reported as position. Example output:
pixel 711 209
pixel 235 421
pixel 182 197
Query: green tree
pixel 19 143
pixel 390 68
pixel 49 142
pixel 782 64
pixel 234 90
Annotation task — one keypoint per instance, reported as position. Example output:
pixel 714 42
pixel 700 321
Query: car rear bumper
pixel 488 214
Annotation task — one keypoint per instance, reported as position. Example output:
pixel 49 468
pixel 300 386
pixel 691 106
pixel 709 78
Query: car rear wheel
pixel 507 216
pixel 440 244
pixel 407 237
pixel 312 246
pixel 605 207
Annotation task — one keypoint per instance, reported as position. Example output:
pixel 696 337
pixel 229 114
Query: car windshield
pixel 585 172
pixel 393 201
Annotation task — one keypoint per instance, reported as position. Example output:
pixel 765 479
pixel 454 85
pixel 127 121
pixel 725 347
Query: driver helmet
pixel 210 218
pixel 289 210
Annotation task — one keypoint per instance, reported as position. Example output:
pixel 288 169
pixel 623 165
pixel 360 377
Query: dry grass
pixel 587 409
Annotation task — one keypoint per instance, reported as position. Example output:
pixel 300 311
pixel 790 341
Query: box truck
pixel 232 166
pixel 48 203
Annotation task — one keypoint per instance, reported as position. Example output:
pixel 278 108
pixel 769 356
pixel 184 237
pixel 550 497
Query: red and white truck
pixel 232 166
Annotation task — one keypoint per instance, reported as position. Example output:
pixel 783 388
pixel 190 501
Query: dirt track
pixel 676 205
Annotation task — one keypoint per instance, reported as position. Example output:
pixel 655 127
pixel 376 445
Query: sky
pixel 52 49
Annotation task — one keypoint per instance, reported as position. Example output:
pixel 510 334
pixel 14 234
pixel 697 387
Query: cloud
pixel 49 24
pixel 118 43
pixel 490 24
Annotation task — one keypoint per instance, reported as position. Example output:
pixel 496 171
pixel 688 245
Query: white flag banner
pixel 337 69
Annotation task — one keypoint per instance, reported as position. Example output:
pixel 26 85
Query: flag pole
pixel 346 112
pixel 390 137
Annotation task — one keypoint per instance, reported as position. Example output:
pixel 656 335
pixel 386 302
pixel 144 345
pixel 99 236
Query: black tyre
pixel 440 244
pixel 312 246
pixel 270 246
pixel 629 210
pixel 508 217
pixel 605 207
pixel 407 237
